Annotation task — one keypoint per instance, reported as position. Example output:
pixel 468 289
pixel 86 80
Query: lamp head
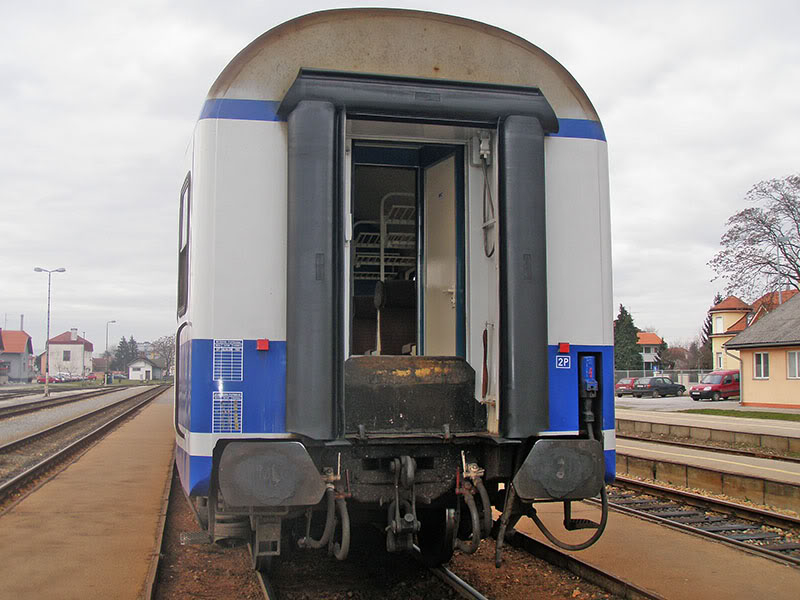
pixel 59 270
pixel 38 269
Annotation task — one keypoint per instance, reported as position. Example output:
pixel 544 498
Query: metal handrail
pixel 176 387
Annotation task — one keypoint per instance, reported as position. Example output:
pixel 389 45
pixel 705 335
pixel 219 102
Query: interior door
pixel 439 257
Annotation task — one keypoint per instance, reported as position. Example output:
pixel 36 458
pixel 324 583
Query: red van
pixel 716 385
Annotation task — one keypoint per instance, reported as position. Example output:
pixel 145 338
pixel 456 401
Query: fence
pixel 682 376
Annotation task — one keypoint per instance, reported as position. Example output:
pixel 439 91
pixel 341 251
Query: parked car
pixel 40 379
pixel 716 385
pixel 624 386
pixel 656 387
pixel 92 377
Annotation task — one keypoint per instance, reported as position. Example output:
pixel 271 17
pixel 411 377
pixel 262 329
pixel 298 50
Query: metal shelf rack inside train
pixel 390 252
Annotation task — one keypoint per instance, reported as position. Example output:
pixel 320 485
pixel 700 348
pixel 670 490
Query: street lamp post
pixel 107 355
pixel 47 342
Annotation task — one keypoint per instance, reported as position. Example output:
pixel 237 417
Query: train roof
pixel 404 43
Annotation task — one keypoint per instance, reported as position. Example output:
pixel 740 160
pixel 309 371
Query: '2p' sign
pixel 563 361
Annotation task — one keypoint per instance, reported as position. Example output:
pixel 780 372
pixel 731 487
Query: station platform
pixel 92 531
pixel 765 481
pixel 668 562
pixel 773 434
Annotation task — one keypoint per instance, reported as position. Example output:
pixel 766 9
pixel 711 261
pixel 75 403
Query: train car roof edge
pixel 244 77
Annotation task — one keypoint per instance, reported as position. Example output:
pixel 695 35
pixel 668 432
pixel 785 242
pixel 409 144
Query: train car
pixel 394 291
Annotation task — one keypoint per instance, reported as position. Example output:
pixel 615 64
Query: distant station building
pixel 70 353
pixel 16 356
pixel 146 369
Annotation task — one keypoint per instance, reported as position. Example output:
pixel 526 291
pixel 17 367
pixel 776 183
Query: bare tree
pixel 164 348
pixel 760 248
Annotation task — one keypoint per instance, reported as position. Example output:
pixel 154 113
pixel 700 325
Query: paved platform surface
pixel 91 531
pixel 741 424
pixel 676 565
pixel 762 468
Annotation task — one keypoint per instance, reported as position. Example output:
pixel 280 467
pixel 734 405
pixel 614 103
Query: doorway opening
pixel 407 252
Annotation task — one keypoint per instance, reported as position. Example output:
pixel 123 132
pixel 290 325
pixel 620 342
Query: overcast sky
pixel 699 101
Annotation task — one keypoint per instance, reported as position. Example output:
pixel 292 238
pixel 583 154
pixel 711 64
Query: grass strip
pixel 744 414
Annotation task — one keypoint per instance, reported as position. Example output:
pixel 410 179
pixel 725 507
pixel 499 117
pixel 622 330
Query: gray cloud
pixel 698 101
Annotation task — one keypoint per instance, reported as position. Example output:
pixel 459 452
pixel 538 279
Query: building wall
pixel 778 390
pixel 717 339
pixel 75 365
pixel 143 368
pixel 728 362
pixel 19 365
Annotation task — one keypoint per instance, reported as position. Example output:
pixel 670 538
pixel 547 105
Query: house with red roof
pixel 16 356
pixel 648 343
pixel 731 317
pixel 770 356
pixel 70 353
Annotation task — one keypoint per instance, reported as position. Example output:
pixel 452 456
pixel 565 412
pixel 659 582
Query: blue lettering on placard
pixel 563 361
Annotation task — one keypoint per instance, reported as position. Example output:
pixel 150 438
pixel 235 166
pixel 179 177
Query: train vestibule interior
pixel 404 250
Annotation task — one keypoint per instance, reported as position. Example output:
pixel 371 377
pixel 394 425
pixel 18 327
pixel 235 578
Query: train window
pixel 183 244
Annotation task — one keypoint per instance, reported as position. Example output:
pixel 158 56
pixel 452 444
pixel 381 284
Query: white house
pixel 70 353
pixel 648 344
pixel 145 369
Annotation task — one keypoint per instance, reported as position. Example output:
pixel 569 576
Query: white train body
pixel 241 244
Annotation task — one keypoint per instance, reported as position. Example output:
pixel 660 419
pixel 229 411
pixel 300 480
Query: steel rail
pixel 607 581
pixel 461 587
pixel 10 485
pixel 18 394
pixel 266 587
pixel 736 509
pixel 759 515
pixel 720 449
pixel 13 445
pixel 29 407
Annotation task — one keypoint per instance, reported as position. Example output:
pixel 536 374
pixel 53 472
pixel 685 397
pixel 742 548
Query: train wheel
pixel 436 537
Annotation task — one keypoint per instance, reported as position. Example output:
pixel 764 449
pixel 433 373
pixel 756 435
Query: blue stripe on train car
pixel 267 110
pixel 563 386
pixel 262 387
pixel 611 465
pixel 195 472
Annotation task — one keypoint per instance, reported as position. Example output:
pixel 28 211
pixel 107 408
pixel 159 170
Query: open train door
pixel 439 258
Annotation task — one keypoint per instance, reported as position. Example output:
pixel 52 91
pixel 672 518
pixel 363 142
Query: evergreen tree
pixel 706 360
pixel 120 354
pixel 663 359
pixel 626 351
pixel 127 351
pixel 133 349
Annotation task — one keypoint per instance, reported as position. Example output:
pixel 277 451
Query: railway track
pixel 720 449
pixel 461 587
pixel 9 395
pixel 27 458
pixel 29 407
pixel 760 531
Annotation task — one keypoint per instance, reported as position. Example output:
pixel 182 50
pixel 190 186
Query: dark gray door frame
pixel 314 107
